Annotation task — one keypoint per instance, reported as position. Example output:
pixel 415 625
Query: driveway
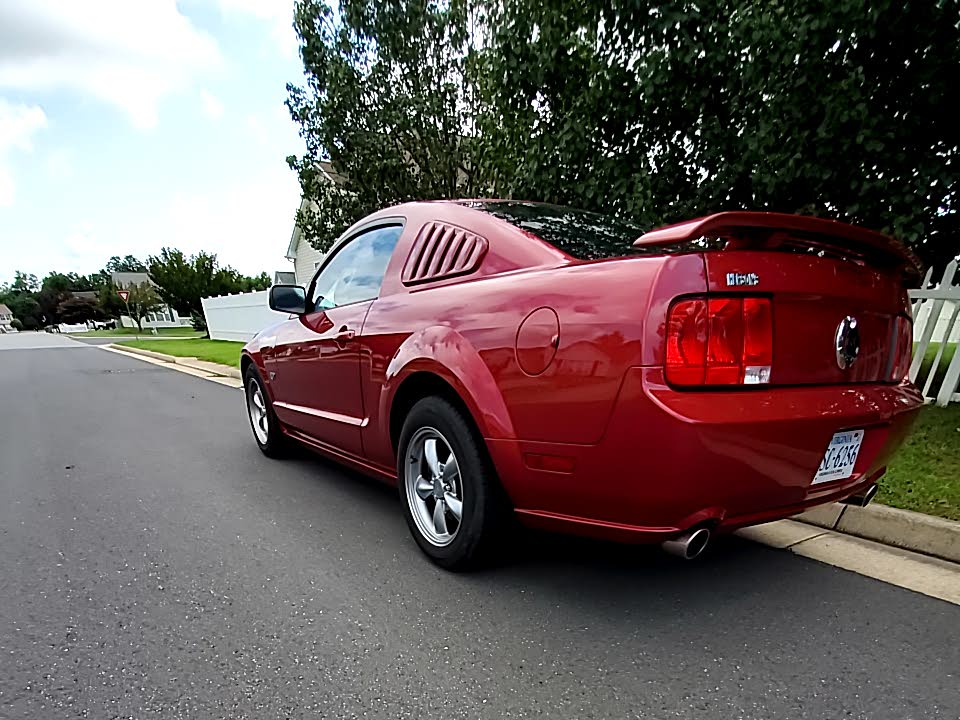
pixel 155 564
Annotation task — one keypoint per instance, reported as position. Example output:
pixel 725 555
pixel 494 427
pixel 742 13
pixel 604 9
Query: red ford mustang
pixel 498 357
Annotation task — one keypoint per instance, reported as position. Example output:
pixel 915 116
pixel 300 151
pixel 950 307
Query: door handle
pixel 345 335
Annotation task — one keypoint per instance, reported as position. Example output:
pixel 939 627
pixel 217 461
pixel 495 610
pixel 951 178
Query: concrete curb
pixel 900 528
pixel 191 362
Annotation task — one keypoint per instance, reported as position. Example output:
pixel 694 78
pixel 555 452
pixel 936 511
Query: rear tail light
pixel 719 341
pixel 902 348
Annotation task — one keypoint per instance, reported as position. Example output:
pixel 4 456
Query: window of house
pixel 355 272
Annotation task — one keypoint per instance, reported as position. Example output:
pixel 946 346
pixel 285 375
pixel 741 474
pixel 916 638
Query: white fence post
pixel 931 324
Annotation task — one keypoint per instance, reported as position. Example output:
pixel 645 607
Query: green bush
pixel 16 324
pixel 198 321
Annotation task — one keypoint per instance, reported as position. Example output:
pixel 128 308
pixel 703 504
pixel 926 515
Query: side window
pixel 354 274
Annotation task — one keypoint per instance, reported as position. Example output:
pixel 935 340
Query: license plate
pixel 840 457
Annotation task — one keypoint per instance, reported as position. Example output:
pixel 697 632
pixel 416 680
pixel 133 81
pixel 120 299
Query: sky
pixel 129 126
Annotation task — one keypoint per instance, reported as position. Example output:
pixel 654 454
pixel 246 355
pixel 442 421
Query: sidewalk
pixel 914 531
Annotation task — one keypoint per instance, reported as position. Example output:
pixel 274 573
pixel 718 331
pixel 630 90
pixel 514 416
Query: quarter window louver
pixel 442 251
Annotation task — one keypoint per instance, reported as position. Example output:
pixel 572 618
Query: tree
pixel 652 111
pixel 20 297
pixel 109 302
pixel 24 283
pixel 55 290
pixel 26 310
pixel 78 310
pixel 663 111
pixel 128 264
pixel 182 281
pixel 385 103
pixel 142 299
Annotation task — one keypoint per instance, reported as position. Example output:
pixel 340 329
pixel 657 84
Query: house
pixel 163 316
pixel 6 319
pixel 306 258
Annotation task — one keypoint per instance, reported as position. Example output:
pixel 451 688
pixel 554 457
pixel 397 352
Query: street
pixel 155 564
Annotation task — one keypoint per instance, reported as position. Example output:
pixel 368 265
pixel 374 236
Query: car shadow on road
pixel 575 568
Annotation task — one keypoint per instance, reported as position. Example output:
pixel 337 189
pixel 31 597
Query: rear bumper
pixel 669 460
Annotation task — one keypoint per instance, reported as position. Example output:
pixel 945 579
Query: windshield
pixel 581 234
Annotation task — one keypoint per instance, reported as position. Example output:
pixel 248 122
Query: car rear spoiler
pixel 767 230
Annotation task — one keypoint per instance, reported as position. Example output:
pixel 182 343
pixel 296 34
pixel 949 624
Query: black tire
pixel 273 443
pixel 484 506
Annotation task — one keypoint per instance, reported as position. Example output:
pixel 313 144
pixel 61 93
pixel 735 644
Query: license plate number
pixel 840 457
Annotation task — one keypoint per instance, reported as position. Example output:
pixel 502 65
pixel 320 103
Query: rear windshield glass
pixel 581 234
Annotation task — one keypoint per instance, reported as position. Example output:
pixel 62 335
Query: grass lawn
pixel 146 332
pixel 218 351
pixel 925 474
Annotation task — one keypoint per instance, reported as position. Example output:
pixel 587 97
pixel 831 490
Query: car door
pixel 316 362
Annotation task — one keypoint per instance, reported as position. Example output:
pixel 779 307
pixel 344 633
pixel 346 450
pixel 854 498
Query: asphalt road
pixel 154 564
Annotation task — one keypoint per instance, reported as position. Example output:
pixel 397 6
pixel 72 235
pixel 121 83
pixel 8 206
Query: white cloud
pixel 18 123
pixel 128 54
pixel 247 224
pixel 212 107
pixel 279 13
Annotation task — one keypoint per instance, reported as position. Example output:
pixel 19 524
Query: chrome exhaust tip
pixel 688 545
pixel 863 498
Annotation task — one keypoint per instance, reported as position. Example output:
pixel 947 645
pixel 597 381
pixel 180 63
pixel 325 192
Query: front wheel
pixel 263 421
pixel 451 499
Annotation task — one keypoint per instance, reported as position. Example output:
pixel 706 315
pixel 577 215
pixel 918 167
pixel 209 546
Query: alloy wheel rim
pixel 257 408
pixel 433 486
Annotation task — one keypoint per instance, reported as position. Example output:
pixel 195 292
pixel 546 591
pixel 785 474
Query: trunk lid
pixel 829 284
pixel 812 298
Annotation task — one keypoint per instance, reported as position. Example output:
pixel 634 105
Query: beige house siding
pixel 305 262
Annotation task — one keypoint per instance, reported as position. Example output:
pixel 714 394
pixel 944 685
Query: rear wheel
pixel 263 421
pixel 450 495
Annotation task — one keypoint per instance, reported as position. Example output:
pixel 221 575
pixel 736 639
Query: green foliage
pixel 182 281
pixel 75 310
pixel 20 297
pixel 385 103
pixel 666 111
pixel 16 324
pixel 109 302
pixel 143 299
pixel 55 290
pixel 198 322
pixel 654 112
pixel 126 264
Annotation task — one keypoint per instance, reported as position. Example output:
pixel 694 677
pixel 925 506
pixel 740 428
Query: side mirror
pixel 288 299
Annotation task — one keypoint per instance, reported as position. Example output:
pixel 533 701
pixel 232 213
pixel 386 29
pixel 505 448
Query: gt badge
pixel 742 279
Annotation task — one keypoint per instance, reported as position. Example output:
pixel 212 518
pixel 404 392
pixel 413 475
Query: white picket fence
pixel 239 317
pixel 935 311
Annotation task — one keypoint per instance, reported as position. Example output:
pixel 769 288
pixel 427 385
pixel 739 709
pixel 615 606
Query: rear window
pixel 581 234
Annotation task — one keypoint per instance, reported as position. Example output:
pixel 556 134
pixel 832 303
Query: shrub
pixel 198 321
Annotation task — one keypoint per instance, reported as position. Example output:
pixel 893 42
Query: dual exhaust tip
pixel 693 542
pixel 862 498
pixel 689 545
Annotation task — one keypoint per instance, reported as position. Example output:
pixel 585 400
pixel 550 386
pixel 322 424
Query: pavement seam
pixel 803 540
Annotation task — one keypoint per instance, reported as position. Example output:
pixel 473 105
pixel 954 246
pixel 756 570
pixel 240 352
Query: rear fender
pixel 442 351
